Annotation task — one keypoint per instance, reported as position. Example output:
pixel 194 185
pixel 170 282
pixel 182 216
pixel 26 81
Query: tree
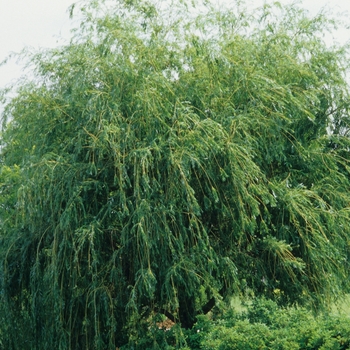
pixel 165 160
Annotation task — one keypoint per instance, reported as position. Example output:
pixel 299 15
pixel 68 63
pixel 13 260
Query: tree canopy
pixel 166 159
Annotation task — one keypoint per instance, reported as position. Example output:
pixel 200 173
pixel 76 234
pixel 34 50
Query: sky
pixel 30 23
pixel 46 23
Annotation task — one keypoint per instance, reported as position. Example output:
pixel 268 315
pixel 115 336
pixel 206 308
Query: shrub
pixel 264 325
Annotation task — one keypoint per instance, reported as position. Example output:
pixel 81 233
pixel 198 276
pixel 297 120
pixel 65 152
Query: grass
pixel 342 307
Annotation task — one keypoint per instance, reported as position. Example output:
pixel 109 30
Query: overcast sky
pixel 40 23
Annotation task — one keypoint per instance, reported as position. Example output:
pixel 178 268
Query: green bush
pixel 264 325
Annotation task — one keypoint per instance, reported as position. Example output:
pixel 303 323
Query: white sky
pixel 40 23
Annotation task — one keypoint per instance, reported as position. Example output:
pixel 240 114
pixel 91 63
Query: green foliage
pixel 165 159
pixel 267 326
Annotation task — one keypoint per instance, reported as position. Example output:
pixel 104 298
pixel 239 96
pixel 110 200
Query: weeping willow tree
pixel 165 160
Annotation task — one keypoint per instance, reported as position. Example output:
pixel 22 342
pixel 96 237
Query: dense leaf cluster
pixel 165 160
pixel 264 325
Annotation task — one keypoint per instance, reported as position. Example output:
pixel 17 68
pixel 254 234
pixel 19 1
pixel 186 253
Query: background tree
pixel 165 160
